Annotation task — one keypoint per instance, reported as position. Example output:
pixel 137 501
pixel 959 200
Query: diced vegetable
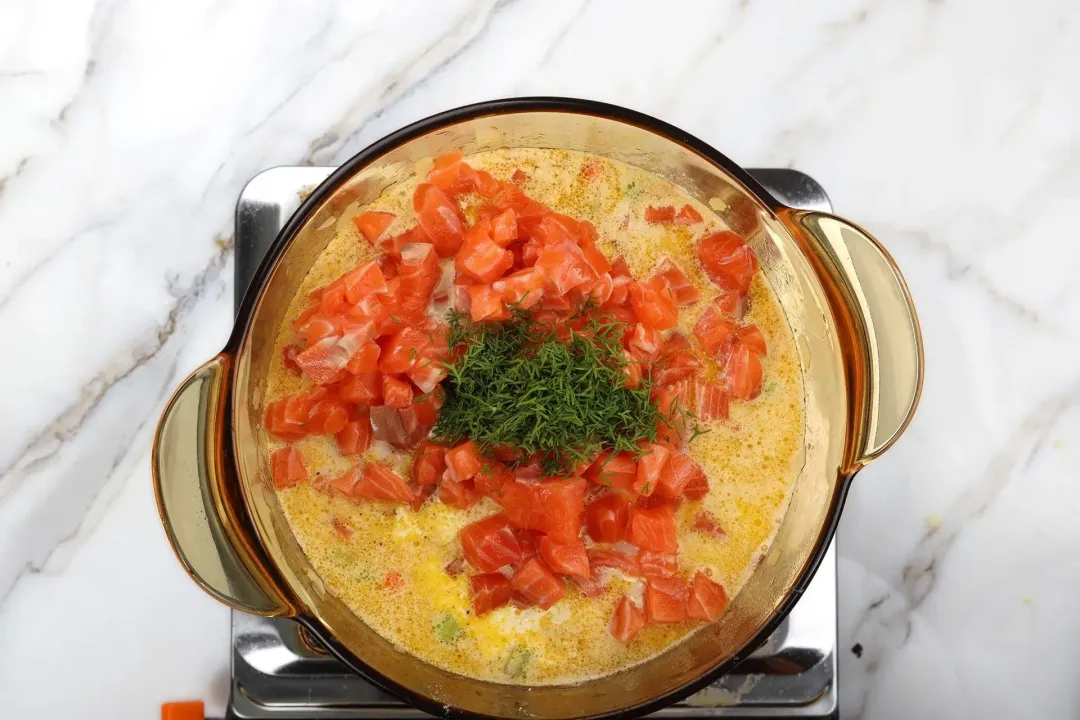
pixel 517 663
pixel 447 629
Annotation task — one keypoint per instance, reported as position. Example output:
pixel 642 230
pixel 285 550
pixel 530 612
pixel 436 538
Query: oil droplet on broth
pixel 750 459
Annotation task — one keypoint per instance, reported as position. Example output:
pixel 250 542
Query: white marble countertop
pixel 949 128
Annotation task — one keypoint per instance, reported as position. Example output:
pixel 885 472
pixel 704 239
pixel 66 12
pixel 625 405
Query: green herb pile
pixel 516 384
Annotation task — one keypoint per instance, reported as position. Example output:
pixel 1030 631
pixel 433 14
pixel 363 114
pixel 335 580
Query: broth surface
pixel 390 572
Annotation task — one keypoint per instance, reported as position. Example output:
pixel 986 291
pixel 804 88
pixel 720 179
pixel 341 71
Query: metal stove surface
pixel 278 672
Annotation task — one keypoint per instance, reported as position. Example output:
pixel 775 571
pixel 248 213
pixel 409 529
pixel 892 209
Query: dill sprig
pixel 518 384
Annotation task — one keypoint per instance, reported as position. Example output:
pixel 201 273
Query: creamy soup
pixel 387 562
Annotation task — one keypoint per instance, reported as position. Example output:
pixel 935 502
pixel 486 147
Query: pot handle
pixel 879 329
pixel 196 491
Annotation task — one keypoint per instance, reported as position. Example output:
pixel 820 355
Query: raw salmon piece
pixel 565 558
pixel 365 360
pixel 489 544
pixel 627 621
pixel 675 362
pixel 364 281
pixel 521 504
pixel 355 437
pixel 429 463
pixel 525 288
pixel 654 304
pixel 653 529
pixel 287 468
pixel 658 565
pixel 485 304
pixel 650 466
pixel 428 371
pixel 451 175
pixel 562 504
pixel 685 292
pixel 328 416
pixel 317 327
pixel 707 599
pixel 713 329
pixel 632 369
pixel 645 341
pixel 403 350
pixel 727 260
pixel 465 460
pixel 710 401
pixel 590 586
pixel 564 267
pixel 459 494
pixel 396 393
pixel 504 228
pixel 742 373
pixel 345 483
pixel 440 219
pixel 323 362
pixel 489 591
pixel 660 214
pixel 485 261
pixel 592 255
pixel 491 477
pixel 537 584
pixel 617 471
pixel 606 557
pixel 379 482
pixel 419 269
pixel 372 224
pixel 680 471
pixel 665 600
pixel 605 518
pixel 687 216
pixel 362 389
pixel 751 337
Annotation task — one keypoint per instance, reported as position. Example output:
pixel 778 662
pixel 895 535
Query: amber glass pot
pixel 859 347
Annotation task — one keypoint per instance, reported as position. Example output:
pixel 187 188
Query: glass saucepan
pixel 859 346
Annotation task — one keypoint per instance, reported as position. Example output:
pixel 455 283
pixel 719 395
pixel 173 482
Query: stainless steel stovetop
pixel 278 672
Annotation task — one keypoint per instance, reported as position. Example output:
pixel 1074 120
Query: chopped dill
pixel 562 399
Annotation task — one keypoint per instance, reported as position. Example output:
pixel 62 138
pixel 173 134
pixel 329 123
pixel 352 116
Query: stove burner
pixel 279 672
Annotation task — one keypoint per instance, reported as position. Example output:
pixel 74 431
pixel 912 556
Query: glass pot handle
pixel 879 330
pixel 197 497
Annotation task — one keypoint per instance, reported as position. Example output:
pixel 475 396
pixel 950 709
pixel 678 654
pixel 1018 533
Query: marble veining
pixel 948 128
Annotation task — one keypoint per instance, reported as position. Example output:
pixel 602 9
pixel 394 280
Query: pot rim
pixel 505 106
